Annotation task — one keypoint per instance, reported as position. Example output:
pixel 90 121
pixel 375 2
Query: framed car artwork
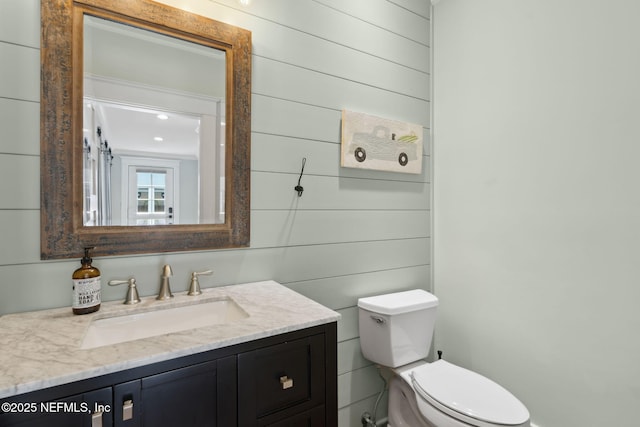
pixel 370 142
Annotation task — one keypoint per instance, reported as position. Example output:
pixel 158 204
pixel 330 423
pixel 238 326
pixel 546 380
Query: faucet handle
pixel 166 271
pixel 165 288
pixel 132 292
pixel 194 287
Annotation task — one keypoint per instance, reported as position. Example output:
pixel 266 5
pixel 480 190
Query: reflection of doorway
pixel 151 189
pixel 154 201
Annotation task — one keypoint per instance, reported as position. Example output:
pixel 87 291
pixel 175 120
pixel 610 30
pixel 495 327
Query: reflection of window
pixel 151 189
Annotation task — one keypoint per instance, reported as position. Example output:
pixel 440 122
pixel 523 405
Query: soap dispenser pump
pixel 86 286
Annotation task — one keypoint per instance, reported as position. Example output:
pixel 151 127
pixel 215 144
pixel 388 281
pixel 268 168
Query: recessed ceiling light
pixel 162 116
pixel 158 138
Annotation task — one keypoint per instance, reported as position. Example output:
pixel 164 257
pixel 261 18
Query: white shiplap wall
pixel 353 233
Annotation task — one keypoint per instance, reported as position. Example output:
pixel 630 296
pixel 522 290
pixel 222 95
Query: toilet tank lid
pixel 399 302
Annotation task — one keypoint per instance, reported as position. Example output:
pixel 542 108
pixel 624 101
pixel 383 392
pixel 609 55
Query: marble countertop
pixel 41 349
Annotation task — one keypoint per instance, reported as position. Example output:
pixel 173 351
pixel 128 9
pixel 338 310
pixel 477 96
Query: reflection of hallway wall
pixel 188 192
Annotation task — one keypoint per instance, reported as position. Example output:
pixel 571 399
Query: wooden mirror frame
pixel 63 234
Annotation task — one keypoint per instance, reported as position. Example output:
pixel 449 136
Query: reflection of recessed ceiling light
pixel 158 138
pixel 162 116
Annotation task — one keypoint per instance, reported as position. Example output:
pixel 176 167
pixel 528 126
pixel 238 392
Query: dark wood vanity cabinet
pixel 288 380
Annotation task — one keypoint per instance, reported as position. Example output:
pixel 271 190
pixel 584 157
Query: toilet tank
pixel 396 329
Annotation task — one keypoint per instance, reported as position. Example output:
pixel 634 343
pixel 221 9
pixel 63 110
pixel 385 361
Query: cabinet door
pixel 182 397
pixel 91 409
pixel 280 381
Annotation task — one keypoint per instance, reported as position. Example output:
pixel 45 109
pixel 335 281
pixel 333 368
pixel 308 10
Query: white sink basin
pixel 130 327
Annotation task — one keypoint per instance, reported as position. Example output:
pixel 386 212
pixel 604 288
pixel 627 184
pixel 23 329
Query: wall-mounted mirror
pixel 145 129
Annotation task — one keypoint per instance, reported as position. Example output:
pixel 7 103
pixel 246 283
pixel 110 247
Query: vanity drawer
pixel 283 376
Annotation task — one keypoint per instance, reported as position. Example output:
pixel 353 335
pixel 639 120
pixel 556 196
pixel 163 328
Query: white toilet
pixel 396 331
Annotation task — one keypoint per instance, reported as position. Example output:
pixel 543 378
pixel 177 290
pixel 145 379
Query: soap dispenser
pixel 86 286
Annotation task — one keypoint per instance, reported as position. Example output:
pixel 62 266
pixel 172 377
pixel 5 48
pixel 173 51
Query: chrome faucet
pixel 165 288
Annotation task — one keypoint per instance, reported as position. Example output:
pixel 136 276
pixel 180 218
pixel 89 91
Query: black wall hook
pixel 298 187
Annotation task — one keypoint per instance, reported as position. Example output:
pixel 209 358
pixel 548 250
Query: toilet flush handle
pixel 379 320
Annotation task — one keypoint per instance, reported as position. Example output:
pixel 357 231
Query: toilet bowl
pixel 395 332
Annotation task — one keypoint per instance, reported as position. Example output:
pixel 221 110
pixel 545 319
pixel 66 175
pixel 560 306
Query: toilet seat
pixel 466 395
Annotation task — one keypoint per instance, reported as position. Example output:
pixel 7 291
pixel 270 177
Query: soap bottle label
pixel 86 292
